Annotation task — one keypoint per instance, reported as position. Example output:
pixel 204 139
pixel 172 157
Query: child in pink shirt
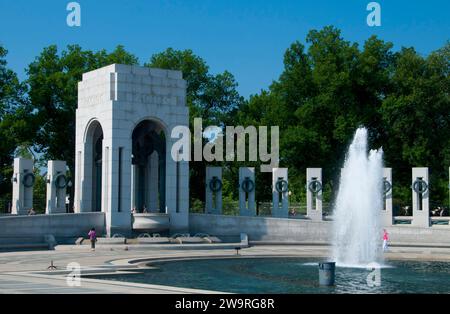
pixel 93 237
pixel 385 240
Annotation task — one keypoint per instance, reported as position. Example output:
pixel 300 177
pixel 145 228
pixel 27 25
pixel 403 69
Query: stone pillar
pixel 23 181
pixel 77 183
pixel 153 197
pixel 314 193
pixel 56 187
pixel 421 209
pixel 133 187
pixel 116 197
pixel 179 216
pixel 280 192
pixel 387 215
pixel 213 195
pixel 247 188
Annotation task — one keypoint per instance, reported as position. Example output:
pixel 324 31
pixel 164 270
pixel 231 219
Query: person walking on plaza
pixel 385 240
pixel 93 237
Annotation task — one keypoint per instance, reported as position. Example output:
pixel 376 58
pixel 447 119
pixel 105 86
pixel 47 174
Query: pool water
pixel 291 275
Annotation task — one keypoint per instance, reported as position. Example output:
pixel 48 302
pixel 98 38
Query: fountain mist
pixel 357 234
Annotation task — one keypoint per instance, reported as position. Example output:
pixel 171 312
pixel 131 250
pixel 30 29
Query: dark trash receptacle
pixel 326 273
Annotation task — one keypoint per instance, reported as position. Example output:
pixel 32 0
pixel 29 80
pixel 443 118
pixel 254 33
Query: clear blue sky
pixel 246 37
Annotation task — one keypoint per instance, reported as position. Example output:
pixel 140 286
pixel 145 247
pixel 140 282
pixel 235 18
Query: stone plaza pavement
pixel 26 272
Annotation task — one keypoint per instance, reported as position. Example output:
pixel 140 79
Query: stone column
pixel 421 208
pixel 387 213
pixel 280 196
pixel 115 206
pixel 77 183
pixel 314 193
pixel 247 189
pixel 133 187
pixel 106 178
pixel 179 213
pixel 153 196
pixel 213 193
pixel 23 181
pixel 56 187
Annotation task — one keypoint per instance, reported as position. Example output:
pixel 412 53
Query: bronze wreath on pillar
pixel 215 184
pixel 28 180
pixel 281 185
pixel 60 181
pixel 420 186
pixel 315 186
pixel 248 185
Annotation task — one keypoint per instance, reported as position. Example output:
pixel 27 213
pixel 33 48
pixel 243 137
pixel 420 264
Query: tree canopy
pixel 14 128
pixel 332 87
pixel 328 88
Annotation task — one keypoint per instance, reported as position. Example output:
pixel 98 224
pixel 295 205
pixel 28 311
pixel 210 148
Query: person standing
pixel 385 240
pixel 93 237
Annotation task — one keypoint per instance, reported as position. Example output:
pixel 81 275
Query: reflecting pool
pixel 292 275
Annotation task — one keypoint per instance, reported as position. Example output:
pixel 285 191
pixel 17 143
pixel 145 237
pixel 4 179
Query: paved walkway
pixel 53 284
pixel 26 272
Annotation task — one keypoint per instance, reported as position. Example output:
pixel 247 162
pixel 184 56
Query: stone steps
pixel 46 242
pixel 23 246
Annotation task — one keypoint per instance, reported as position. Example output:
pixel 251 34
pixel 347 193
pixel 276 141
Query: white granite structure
pixel 123 142
pixel 314 193
pixel 56 187
pixel 387 215
pixel 213 190
pixel 22 182
pixel 247 188
pixel 280 193
pixel 421 207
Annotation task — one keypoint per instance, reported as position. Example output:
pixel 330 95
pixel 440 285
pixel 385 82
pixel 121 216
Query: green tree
pixel 323 94
pixel 13 128
pixel 328 87
pixel 416 117
pixel 213 98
